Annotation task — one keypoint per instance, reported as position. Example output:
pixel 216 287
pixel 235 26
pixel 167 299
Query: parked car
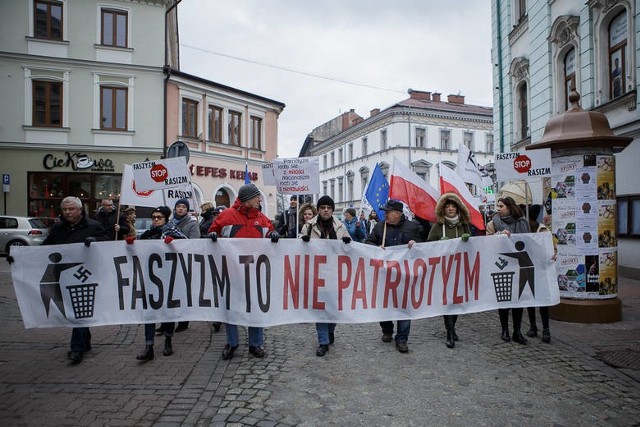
pixel 142 225
pixel 21 231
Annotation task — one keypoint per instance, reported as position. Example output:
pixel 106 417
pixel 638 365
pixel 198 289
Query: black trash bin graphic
pixel 82 299
pixel 503 284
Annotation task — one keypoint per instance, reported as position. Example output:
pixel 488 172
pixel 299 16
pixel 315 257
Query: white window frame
pixel 118 7
pixel 46 74
pixel 196 97
pixel 116 80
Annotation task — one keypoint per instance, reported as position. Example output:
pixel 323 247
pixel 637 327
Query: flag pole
pixel 384 234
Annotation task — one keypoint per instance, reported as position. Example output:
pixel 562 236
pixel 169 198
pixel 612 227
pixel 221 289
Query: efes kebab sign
pixel 529 166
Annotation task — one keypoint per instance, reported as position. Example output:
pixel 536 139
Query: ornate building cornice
pixel 564 30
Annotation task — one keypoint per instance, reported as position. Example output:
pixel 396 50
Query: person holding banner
pixel 244 219
pixel 75 227
pixel 453 222
pixel 508 220
pixel 395 230
pixel 325 226
pixel 159 218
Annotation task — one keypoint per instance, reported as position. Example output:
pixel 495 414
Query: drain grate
pixel 627 358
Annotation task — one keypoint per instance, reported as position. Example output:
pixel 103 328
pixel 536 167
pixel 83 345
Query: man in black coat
pixel 75 227
pixel 108 216
pixel 395 230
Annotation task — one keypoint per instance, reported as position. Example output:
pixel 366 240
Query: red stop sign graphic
pixel 140 193
pixel 159 173
pixel 522 163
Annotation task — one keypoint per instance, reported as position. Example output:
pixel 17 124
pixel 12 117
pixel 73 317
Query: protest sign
pixel 297 176
pixel 161 174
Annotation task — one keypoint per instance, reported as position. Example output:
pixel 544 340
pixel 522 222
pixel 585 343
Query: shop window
pixel 628 220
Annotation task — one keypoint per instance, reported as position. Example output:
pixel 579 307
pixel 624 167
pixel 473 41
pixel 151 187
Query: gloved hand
pixel 130 240
pixel 275 236
pixel 465 237
pixel 213 236
pixel 346 239
pixel 306 238
pixel 10 259
pixel 168 239
pixel 89 240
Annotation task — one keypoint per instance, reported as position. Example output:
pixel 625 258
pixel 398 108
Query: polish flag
pixel 451 182
pixel 406 186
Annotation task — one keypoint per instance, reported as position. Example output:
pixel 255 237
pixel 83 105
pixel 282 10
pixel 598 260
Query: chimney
pixel 419 95
pixel 436 97
pixel 374 112
pixel 455 99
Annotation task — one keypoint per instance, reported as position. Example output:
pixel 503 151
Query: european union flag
pixel 377 191
pixel 247 179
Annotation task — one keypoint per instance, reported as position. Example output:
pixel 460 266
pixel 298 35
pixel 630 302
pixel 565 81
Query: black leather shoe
pixel 402 347
pixel 387 337
pixel 75 356
pixel 322 350
pixel 257 351
pixel 168 348
pixel 519 338
pixel 505 335
pixel 146 354
pixel 228 351
pixel 182 326
pixel 532 332
pixel 546 336
pixel 332 337
pixel 451 342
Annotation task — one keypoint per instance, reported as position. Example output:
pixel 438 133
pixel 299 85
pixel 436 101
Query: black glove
pixel 306 238
pixel 465 237
pixel 275 236
pixel 346 239
pixel 213 236
pixel 10 259
pixel 89 240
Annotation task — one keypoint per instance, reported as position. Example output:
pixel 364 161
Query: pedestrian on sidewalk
pixel 453 222
pixel 159 218
pixel 509 220
pixel 325 226
pixel 394 231
pixel 244 219
pixel 534 212
pixel 76 227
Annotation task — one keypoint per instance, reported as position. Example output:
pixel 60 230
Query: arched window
pixel 569 75
pixel 617 55
pixel 523 110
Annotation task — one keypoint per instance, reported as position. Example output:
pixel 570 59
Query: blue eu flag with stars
pixel 377 191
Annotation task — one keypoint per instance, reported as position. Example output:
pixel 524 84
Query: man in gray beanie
pixel 243 219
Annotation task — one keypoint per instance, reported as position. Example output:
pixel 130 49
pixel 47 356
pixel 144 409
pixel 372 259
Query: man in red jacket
pixel 244 219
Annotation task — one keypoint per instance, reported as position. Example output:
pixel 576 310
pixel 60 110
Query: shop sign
pixel 221 172
pixel 77 161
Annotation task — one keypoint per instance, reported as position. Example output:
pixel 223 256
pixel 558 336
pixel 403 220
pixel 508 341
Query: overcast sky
pixel 325 57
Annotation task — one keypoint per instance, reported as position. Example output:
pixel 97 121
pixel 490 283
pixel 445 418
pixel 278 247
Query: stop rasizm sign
pixel 522 164
pixel 159 173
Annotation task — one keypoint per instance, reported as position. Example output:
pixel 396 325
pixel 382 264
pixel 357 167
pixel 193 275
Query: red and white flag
pixel 405 185
pixel 451 182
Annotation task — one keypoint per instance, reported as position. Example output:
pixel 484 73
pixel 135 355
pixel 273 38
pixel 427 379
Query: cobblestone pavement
pixel 361 381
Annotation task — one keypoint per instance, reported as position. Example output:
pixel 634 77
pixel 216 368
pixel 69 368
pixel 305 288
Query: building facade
pixel 82 84
pixel 542 49
pixel 226 131
pixel 420 132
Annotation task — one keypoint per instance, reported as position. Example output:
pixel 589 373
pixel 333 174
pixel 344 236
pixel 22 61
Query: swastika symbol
pixel 82 274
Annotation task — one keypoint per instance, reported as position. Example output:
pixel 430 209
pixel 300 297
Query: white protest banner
pixel 129 195
pixel 267 174
pixel 161 174
pixel 260 283
pixel 529 166
pixel 297 176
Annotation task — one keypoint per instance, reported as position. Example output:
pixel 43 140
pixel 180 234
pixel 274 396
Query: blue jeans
pixel 80 340
pixel 323 330
pixel 404 326
pixel 256 336
pixel 150 331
